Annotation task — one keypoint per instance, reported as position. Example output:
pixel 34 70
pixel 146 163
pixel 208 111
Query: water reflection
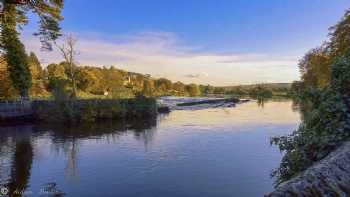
pixel 17 149
pixel 211 152
pixel 21 165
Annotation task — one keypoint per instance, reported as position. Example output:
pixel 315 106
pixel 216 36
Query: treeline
pixel 323 96
pixel 57 80
pixel 266 90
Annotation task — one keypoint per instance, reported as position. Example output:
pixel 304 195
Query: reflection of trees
pixel 6 146
pixel 21 166
pixel 16 145
pixel 66 138
pixel 261 102
pixel 18 142
pixel 71 167
pixel 64 134
pixel 146 136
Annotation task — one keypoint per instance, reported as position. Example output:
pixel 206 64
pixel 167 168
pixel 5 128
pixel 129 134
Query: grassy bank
pixel 93 110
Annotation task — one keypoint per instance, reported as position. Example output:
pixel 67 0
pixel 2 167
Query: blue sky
pixel 222 42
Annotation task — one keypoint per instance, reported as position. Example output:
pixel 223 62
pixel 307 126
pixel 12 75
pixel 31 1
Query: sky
pixel 218 42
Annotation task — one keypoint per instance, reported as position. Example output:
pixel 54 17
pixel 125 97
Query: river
pixel 207 152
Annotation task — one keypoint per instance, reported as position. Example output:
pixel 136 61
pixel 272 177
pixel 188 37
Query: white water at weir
pixel 172 101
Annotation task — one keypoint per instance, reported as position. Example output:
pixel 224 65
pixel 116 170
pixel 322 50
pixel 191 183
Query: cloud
pixel 197 75
pixel 163 54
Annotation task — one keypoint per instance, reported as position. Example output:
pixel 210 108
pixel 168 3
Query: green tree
pixel 163 85
pixel 16 59
pixel 323 98
pixel 179 87
pixel 315 68
pixel 86 79
pixel 208 89
pixel 340 36
pixel 14 15
pixel 35 66
pixel 260 92
pixel 148 87
pixel 48 11
pixel 193 89
pixel 7 90
pixel 219 90
pixel 38 88
pixel 58 80
pixel 325 124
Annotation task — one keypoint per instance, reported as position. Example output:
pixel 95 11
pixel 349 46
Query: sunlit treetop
pixel 15 14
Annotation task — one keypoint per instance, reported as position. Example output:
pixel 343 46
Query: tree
pixel 148 87
pixel 16 59
pixel 323 98
pixel 260 92
pixel 58 81
pixel 219 90
pixel 69 53
pixel 14 15
pixel 208 89
pixel 163 85
pixel 35 66
pixel 179 87
pixel 193 89
pixel 340 36
pixel 38 84
pixel 56 71
pixel 86 80
pixel 113 83
pixel 48 11
pixel 315 67
pixel 325 125
pixel 6 87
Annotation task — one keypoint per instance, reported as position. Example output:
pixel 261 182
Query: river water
pixel 207 152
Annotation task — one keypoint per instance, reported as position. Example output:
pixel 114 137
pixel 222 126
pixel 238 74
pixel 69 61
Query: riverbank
pixel 80 110
pixel 328 177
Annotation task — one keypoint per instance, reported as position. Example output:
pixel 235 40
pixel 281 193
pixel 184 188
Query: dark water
pixel 212 152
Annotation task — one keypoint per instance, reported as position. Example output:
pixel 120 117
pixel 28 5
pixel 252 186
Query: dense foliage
pixel 91 82
pixel 48 12
pixel 92 110
pixel 315 65
pixel 260 90
pixel 16 57
pixel 12 17
pixel 323 96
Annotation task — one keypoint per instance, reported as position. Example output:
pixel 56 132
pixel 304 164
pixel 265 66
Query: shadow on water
pixel 17 149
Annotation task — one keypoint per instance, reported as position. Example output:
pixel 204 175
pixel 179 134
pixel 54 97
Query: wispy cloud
pixel 197 75
pixel 163 54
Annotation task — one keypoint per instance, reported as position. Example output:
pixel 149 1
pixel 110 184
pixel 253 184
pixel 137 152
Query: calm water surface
pixel 211 152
